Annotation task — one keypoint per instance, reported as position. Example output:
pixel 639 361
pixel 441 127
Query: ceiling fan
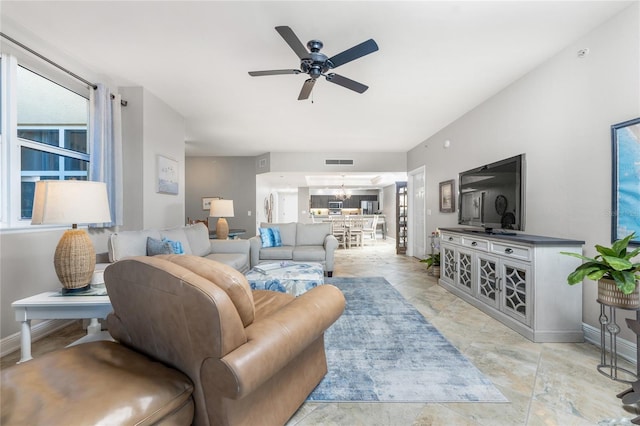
pixel 317 64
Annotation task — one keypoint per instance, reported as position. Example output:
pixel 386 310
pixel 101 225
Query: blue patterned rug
pixel 383 349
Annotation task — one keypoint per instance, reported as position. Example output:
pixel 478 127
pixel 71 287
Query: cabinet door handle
pixel 498 286
pixel 450 238
pixel 508 250
pixel 474 243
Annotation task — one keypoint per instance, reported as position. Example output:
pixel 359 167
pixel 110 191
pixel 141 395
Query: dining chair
pixel 340 231
pixel 370 227
pixel 356 231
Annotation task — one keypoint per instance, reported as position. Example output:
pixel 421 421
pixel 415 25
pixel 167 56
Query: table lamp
pixel 70 202
pixel 221 209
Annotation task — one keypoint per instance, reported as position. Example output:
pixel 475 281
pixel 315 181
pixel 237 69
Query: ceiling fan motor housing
pixel 316 63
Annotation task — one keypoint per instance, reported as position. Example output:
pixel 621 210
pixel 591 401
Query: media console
pixel 520 280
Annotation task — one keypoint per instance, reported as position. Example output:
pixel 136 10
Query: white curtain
pixel 105 136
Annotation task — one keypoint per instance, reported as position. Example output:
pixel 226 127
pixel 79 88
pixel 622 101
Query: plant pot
pixel 609 294
pixel 435 271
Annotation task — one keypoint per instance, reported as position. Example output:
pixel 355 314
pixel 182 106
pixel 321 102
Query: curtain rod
pixel 60 67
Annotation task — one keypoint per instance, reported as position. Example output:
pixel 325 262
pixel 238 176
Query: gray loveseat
pixel 194 238
pixel 301 242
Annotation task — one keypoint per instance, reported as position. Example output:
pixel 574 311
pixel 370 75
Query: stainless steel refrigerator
pixel 369 207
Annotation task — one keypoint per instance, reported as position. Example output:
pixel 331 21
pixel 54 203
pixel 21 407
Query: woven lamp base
pixel 222 229
pixel 609 294
pixel 74 259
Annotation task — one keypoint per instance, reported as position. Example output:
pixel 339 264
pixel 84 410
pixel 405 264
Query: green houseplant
pixel 612 263
pixel 433 260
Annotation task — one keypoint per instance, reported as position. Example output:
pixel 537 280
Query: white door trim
pixel 413 211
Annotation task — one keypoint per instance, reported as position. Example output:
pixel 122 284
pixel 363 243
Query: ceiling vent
pixel 338 162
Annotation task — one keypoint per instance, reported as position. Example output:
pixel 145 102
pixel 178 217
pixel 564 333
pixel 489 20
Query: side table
pixel 51 305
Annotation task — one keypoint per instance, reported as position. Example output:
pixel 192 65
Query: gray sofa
pixel 194 238
pixel 301 242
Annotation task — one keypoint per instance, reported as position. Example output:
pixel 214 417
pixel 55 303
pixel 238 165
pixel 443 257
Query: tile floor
pixel 546 383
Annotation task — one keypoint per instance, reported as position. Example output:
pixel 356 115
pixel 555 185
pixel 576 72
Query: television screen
pixel 491 196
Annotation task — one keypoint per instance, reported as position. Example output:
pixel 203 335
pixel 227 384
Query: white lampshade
pixel 70 202
pixel 221 208
pixel 67 202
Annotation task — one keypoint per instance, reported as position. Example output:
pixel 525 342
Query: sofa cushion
pixel 224 276
pixel 277 253
pixel 130 243
pixel 95 383
pixel 312 234
pixel 178 234
pixel 287 232
pixel 309 254
pixel 198 237
pixel 237 261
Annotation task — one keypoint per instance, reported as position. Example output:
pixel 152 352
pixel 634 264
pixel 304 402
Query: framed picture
pixel 167 175
pixel 447 200
pixel 206 202
pixel 625 191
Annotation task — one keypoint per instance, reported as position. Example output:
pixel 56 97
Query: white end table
pixel 51 305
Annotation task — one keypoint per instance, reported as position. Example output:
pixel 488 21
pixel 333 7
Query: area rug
pixel 383 349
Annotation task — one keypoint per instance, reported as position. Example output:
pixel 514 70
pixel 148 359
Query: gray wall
pixel 150 128
pixel 559 115
pixel 232 178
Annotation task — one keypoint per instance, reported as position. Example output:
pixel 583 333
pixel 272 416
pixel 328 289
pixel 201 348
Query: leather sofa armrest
pixel 230 246
pixel 256 244
pixel 275 341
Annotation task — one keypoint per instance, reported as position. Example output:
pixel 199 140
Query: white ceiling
pixel 437 60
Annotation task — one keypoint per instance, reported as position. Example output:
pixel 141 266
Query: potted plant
pixel 433 261
pixel 615 272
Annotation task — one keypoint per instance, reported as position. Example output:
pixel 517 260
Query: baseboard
pixel 11 343
pixel 626 349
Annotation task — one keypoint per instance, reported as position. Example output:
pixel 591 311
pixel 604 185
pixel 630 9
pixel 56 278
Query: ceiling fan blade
pixel 273 72
pixel 347 82
pixel 293 41
pixel 355 52
pixel 307 87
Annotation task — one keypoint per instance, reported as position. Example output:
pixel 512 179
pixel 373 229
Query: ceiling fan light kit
pixel 316 64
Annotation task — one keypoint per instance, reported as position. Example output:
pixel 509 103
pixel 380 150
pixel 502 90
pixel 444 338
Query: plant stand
pixel 611 298
pixel 631 397
pixel 608 325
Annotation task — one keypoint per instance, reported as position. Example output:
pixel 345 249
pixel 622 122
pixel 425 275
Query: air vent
pixel 338 162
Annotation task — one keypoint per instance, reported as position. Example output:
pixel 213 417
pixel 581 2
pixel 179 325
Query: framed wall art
pixel 447 200
pixel 206 202
pixel 625 191
pixel 167 180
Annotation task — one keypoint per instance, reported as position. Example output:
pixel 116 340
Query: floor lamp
pixel 221 209
pixel 70 202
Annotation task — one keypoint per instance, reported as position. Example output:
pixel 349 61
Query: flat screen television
pixel 492 196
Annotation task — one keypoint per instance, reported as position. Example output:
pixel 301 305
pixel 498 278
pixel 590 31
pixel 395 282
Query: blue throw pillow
pixel 267 237
pixel 175 245
pixel 277 240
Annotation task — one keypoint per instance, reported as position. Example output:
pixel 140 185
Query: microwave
pixel 335 204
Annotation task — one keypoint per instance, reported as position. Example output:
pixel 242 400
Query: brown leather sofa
pixel 251 357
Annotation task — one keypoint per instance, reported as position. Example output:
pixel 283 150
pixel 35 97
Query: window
pixel 49 128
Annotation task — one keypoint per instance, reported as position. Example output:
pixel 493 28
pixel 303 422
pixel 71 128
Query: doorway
pixel 416 244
